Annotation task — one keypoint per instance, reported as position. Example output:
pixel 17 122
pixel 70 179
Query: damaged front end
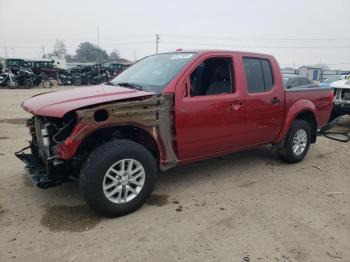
pixel 59 146
pixel 42 164
pixel 341 101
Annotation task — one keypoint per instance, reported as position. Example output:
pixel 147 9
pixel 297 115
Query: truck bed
pixel 320 98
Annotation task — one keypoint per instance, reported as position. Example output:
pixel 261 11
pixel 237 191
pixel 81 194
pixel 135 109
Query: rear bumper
pixel 39 175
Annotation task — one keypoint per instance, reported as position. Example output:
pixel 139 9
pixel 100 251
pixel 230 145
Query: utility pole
pixel 43 48
pixel 98 45
pixel 157 42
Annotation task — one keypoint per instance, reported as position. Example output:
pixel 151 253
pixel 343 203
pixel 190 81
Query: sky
pixel 296 32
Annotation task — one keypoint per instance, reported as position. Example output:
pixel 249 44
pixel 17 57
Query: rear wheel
pixel 47 83
pixel 28 83
pixel 118 177
pixel 297 142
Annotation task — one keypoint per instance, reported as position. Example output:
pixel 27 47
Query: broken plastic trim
pixel 38 176
pixel 329 134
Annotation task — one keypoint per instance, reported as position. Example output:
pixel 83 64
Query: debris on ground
pixel 333 193
pixel 319 168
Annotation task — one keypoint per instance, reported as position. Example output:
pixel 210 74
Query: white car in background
pixel 341 91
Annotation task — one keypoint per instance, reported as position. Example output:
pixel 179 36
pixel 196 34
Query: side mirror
pixel 185 92
pixel 289 86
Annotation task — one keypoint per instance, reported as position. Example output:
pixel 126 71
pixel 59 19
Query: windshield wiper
pixel 132 85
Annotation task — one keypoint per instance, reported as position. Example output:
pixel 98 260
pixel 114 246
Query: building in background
pixel 313 73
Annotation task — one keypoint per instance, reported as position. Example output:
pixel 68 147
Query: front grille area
pixel 341 95
pixel 43 150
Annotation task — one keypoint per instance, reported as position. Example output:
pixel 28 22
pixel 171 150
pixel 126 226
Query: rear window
pixel 258 74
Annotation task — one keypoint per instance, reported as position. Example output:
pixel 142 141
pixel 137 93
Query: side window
pixel 268 80
pixel 258 74
pixel 212 77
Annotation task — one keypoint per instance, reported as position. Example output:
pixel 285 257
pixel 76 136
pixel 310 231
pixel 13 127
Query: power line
pixel 77 38
pixel 257 38
pixel 71 46
pixel 339 63
pixel 257 46
pixel 178 36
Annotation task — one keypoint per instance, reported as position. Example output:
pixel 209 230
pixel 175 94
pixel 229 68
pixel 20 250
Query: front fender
pixel 292 113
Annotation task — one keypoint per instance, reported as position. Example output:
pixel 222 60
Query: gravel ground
pixel 246 206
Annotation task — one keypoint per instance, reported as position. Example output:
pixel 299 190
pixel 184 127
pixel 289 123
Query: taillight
pixel 331 98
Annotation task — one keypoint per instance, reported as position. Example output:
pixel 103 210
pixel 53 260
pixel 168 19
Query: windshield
pixel 153 73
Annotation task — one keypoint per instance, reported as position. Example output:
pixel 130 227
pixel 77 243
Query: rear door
pixel 264 99
pixel 209 108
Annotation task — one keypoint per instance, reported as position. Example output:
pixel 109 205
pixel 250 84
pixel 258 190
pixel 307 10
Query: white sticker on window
pixel 181 56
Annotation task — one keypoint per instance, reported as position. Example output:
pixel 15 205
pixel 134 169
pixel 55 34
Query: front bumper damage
pixel 39 174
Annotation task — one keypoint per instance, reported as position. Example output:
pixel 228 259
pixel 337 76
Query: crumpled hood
pixel 344 83
pixel 57 104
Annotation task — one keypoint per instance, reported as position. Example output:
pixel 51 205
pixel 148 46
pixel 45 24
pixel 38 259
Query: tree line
pixel 86 52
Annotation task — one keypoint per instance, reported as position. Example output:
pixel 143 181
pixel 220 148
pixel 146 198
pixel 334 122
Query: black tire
pixel 28 84
pixel 47 84
pixel 95 167
pixel 286 153
pixel 77 81
pixel 12 84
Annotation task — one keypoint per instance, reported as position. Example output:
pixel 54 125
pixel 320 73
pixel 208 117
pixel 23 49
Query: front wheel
pixel 12 84
pixel 118 177
pixel 297 142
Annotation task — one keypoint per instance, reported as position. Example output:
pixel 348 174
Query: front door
pixel 209 109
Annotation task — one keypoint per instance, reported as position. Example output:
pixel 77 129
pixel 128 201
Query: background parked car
pixel 341 91
pixel 330 79
pixel 15 64
pixel 44 66
pixel 116 68
pixel 293 81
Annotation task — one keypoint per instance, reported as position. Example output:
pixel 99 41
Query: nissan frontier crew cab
pixel 166 110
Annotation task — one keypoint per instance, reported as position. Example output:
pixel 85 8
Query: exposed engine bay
pixel 47 133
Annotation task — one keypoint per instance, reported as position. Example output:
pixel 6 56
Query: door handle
pixel 234 106
pixel 275 100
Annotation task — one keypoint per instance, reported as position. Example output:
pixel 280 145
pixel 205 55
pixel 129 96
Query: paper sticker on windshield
pixel 181 56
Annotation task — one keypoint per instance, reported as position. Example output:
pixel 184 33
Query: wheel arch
pixel 303 109
pixel 310 118
pixel 128 131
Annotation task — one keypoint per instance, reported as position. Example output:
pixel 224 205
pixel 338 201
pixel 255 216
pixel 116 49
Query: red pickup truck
pixel 166 110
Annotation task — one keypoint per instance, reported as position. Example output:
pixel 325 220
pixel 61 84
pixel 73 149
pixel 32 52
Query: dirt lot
pixel 243 207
